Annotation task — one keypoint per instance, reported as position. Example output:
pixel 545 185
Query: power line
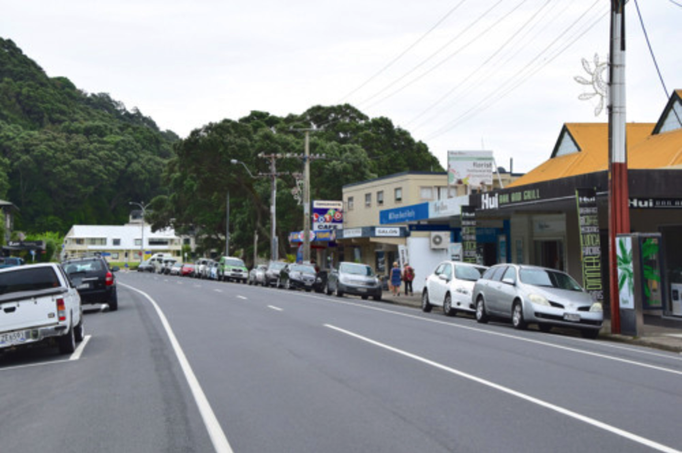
pixel 402 54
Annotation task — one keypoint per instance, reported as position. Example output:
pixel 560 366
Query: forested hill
pixel 69 157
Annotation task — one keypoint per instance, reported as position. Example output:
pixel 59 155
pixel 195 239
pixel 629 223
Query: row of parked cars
pixel 227 268
pixel 523 294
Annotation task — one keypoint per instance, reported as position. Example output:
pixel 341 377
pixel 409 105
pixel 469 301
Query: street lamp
pixel 144 212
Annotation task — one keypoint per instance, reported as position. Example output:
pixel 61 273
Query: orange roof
pixel 592 139
pixel 657 151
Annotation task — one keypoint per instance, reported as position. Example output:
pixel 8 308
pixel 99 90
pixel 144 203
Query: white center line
pixel 612 429
pixel 274 308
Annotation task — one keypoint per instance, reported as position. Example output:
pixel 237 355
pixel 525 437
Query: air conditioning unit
pixel 440 239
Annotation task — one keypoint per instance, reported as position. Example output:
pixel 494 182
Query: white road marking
pixel 513 337
pixel 591 421
pixel 79 350
pixel 242 297
pixel 274 308
pixel 216 433
pixel 218 290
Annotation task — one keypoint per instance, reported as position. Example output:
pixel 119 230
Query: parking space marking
pixel 75 356
pixel 274 308
pixel 561 410
pixel 79 350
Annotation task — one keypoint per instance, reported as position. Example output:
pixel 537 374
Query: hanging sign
pixel 590 247
pixel 469 234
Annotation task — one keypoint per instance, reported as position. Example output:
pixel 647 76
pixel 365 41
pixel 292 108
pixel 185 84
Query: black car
pixel 94 280
pixel 293 276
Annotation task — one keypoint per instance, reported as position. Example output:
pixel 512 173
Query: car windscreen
pixel 301 268
pixel 468 273
pixel 33 278
pixel 549 279
pixel 355 269
pixel 234 262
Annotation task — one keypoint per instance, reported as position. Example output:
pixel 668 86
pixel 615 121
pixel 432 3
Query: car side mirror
pixel 443 277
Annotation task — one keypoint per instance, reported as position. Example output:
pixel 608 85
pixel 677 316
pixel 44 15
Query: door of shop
pixel 550 254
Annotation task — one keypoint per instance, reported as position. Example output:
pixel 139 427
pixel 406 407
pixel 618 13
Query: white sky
pixel 494 74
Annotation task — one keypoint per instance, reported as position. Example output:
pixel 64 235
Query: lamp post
pixel 144 212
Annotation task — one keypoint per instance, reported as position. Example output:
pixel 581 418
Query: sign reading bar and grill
pixel 590 247
pixel 469 234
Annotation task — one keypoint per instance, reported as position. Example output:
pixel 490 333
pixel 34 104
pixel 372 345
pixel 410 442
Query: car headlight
pixel 597 308
pixel 538 299
pixel 462 291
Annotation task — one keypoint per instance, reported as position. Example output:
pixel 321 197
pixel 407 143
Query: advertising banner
pixel 470 168
pixel 327 215
pixel 590 247
pixel 469 234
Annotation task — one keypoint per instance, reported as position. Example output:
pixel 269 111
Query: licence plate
pixel 13 337
pixel 573 317
pixel 83 286
pixel 362 290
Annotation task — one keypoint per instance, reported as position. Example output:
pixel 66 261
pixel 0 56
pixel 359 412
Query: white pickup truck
pixel 38 302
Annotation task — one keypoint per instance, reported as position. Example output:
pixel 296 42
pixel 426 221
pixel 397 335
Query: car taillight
pixel 61 309
pixel 110 279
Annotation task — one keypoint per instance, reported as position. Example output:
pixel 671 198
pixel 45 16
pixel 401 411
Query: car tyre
pixel 364 297
pixel 447 306
pixel 339 293
pixel 377 298
pixel 67 343
pixel 79 332
pixel 481 315
pixel 590 334
pixel 517 316
pixel 426 305
pixel 113 301
pixel 328 290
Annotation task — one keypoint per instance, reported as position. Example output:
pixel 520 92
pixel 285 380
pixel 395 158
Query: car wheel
pixel 447 306
pixel 481 315
pixel 339 293
pixel 67 343
pixel 544 327
pixel 590 334
pixel 364 297
pixel 328 290
pixel 113 301
pixel 517 316
pixel 79 332
pixel 426 305
pixel 377 298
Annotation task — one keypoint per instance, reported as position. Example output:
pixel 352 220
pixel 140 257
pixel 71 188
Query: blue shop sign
pixel 407 214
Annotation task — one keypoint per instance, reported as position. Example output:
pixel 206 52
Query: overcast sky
pixel 458 75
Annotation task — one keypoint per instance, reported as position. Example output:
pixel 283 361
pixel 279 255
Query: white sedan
pixel 450 286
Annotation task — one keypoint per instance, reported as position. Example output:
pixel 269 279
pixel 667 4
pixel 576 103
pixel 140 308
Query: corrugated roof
pixel 593 141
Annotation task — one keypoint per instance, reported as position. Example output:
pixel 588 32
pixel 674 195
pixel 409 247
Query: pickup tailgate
pixel 29 312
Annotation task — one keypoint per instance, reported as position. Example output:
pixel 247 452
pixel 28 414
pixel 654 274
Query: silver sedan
pixel 531 294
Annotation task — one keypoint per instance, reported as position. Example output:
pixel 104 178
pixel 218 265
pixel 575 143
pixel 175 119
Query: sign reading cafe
pixel 590 247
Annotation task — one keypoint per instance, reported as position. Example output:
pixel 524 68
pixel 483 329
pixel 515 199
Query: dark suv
pixel 94 280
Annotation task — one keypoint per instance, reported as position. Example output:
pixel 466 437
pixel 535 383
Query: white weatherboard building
pixel 121 243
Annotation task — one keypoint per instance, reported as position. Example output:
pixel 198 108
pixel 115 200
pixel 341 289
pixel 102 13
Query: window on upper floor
pixel 380 198
pixel 398 194
pixel 116 242
pixel 97 241
pixel 368 200
pixel 350 203
pixel 426 193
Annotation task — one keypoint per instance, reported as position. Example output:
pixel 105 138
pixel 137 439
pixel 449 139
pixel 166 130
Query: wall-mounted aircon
pixel 440 239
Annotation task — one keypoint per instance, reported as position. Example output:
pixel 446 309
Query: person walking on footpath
pixel 408 277
pixel 395 279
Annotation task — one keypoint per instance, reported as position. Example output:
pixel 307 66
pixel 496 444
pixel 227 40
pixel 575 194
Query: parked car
pixel 354 278
pixel 187 270
pixel 272 272
pixel 39 303
pixel 167 264
pixel 10 261
pixel 231 268
pixel 450 286
pixel 531 294
pixel 257 275
pixel 94 280
pixel 294 276
pixel 175 269
pixel 200 267
pixel 145 266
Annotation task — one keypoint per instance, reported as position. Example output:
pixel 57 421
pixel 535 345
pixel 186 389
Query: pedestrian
pixel 408 277
pixel 395 279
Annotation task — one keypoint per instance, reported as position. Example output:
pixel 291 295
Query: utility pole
pixel 143 214
pixel 619 209
pixel 306 199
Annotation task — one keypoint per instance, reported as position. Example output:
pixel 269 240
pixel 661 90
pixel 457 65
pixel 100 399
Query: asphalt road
pixel 191 365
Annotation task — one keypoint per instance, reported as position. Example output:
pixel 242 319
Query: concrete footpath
pixel 659 333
